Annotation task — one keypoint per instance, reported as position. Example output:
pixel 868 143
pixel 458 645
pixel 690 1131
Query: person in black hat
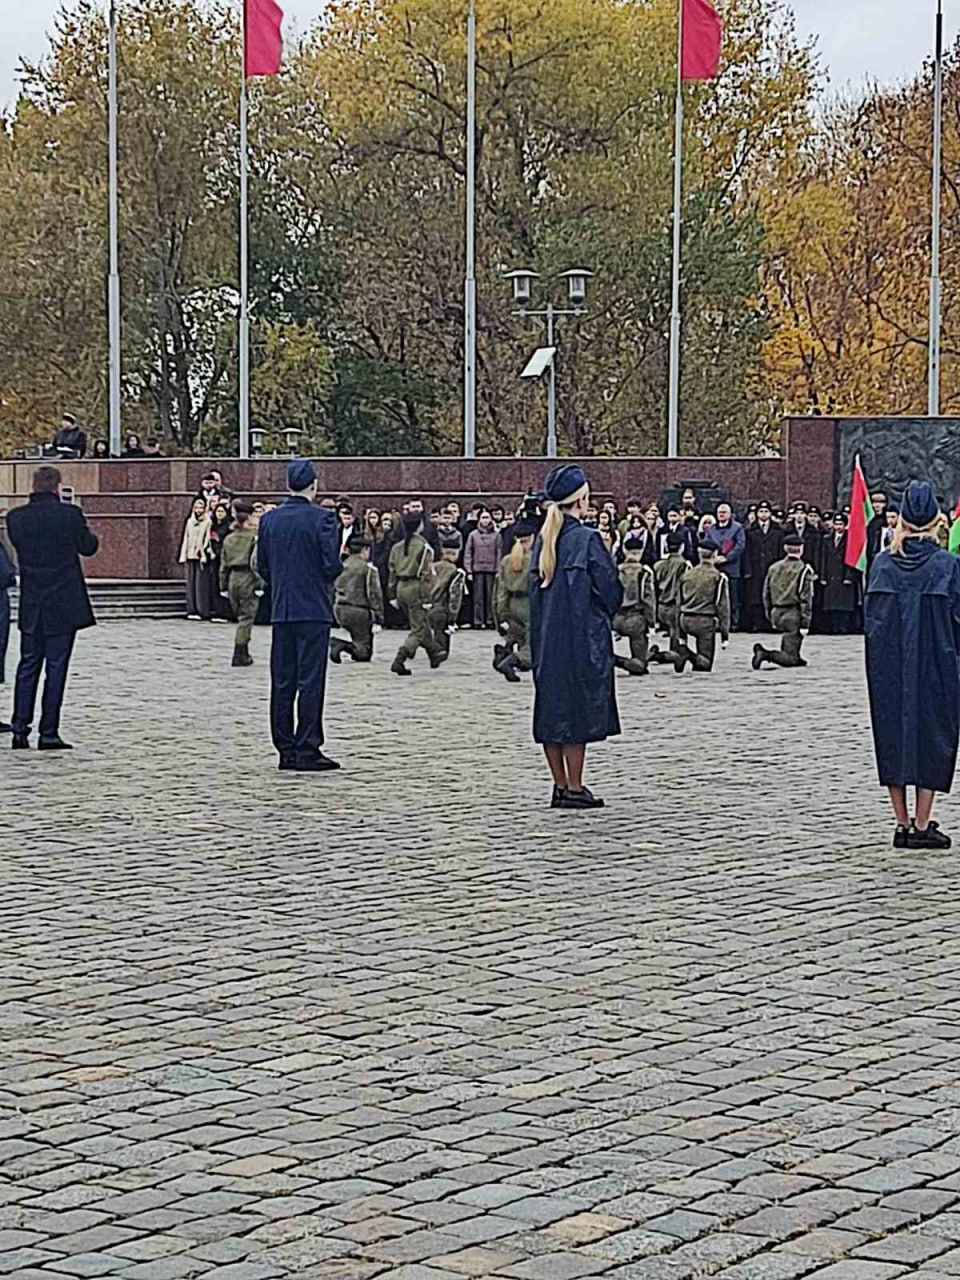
pixel 638 612
pixel 912 615
pixel 446 598
pixel 840 585
pixel 788 603
pixel 511 603
pixel 574 595
pixel 298 558
pixel 704 610
pixel 764 549
pixel 411 589
pixel 359 603
pixel 239 580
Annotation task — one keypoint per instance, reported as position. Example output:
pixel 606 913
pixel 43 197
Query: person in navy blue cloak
pixel 574 593
pixel 912 623
pixel 298 558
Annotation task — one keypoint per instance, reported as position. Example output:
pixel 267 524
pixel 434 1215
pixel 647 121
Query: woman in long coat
pixel 912 619
pixel 574 593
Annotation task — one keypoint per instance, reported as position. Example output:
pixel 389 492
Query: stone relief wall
pixel 895 451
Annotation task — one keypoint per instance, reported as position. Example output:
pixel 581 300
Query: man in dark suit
pixel 764 549
pixel 298 557
pixel 8 579
pixel 49 537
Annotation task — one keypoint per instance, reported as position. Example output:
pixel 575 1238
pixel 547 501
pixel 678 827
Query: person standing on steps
pixel 298 558
pixel 912 623
pixel 239 581
pixel 574 595
pixel 49 537
pixel 359 603
pixel 788 603
pixel 410 589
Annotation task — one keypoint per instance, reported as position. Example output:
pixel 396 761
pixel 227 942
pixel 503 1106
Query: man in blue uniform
pixel 298 558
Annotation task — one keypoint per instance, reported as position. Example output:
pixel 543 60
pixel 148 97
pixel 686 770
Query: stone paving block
pixel 554 1266
pixel 477 1260
pixel 904 1246
pixel 88 1264
pixel 851 1270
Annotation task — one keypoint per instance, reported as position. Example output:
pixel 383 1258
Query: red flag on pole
pixel 702 31
pixel 861 513
pixel 262 41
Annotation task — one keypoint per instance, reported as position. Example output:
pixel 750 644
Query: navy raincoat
pixel 912 623
pixel 571 641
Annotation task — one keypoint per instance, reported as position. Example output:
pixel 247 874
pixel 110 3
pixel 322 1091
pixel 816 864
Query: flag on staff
pixel 953 545
pixel 702 35
pixel 861 513
pixel 263 42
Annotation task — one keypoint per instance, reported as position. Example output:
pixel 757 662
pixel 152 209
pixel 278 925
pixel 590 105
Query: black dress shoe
pixel 20 742
pixel 53 744
pixel 931 838
pixel 900 838
pixel 582 799
pixel 287 764
pixel 558 794
pixel 5 728
pixel 317 764
pixel 759 653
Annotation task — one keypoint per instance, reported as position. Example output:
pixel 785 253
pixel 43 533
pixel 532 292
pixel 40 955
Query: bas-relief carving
pixel 895 451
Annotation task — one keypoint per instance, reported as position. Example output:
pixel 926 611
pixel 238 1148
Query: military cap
pixel 243 508
pixel 525 528
pixel 451 542
pixel 705 545
pixel 919 507
pixel 564 481
pixel 357 542
pixel 632 543
pixel 301 474
pixel 793 540
pixel 675 541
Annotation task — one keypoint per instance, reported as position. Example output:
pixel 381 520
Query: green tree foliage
pixel 357 223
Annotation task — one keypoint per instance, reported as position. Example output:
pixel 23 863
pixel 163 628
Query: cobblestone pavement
pixel 405 1022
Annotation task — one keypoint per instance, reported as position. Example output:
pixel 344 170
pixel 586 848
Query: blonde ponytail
pixel 548 543
pixel 517 554
pixel 551 532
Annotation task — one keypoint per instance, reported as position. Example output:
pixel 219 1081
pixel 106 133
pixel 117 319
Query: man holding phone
pixel 49 537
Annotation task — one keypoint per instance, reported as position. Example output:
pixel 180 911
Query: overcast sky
pixel 859 39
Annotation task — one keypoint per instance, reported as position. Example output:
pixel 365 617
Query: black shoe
pixel 336 651
pixel 5 728
pixel 654 655
pixel 558 794
pixel 287 764
pixel 399 669
pixel 932 838
pixel 801 662
pixel 316 764
pixel 683 657
pixel 53 744
pixel 900 838
pixel 437 660
pixel 508 669
pixel 582 799
pixel 500 651
pixel 20 742
pixel 759 653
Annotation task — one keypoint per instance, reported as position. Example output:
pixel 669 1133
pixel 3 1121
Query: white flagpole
pixel 673 419
pixel 933 397
pixel 113 283
pixel 244 281
pixel 470 283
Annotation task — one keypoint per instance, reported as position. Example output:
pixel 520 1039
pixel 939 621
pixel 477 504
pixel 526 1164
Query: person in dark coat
pixel 877 526
pixel 49 537
pixel 838 600
pixel 912 616
pixel 8 579
pixel 70 441
pixel 764 549
pixel 574 594
pixel 298 558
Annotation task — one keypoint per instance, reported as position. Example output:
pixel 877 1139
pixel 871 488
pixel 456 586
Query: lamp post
pixel 544 359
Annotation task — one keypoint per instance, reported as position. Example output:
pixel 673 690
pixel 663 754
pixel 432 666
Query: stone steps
pixel 116 600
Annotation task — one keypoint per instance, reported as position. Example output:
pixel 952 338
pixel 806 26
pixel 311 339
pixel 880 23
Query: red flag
pixel 861 513
pixel 262 41
pixel 702 30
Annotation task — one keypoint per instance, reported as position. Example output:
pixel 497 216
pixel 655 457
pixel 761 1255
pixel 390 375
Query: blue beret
pixel 564 481
pixel 919 506
pixel 301 474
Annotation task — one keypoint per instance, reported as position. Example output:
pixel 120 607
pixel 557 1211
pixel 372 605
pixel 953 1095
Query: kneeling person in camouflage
pixel 788 603
pixel 359 603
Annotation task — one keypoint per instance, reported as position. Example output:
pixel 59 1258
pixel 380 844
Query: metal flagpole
pixel 933 405
pixel 244 282
pixel 470 284
pixel 673 419
pixel 113 283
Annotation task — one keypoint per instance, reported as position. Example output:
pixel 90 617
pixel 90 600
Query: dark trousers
pixel 704 630
pixel 36 652
pixel 787 622
pixel 298 674
pixel 4 630
pixel 483 599
pixel 734 584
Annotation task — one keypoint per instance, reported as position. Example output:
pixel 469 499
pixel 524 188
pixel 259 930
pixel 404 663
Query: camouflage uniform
pixel 637 614
pixel 359 604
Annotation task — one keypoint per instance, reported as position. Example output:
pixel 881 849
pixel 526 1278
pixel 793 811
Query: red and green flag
pixel 861 513
pixel 954 543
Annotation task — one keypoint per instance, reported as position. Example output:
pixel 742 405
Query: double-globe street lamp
pixel 544 359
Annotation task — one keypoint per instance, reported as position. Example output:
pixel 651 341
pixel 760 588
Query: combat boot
pixel 759 657
pixel 398 667
pixel 337 648
pixel 683 656
pixel 241 658
pixel 508 668
pixel 632 666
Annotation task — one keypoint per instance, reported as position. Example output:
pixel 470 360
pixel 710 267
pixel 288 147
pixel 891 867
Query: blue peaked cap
pixel 564 481
pixel 301 474
pixel 919 507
